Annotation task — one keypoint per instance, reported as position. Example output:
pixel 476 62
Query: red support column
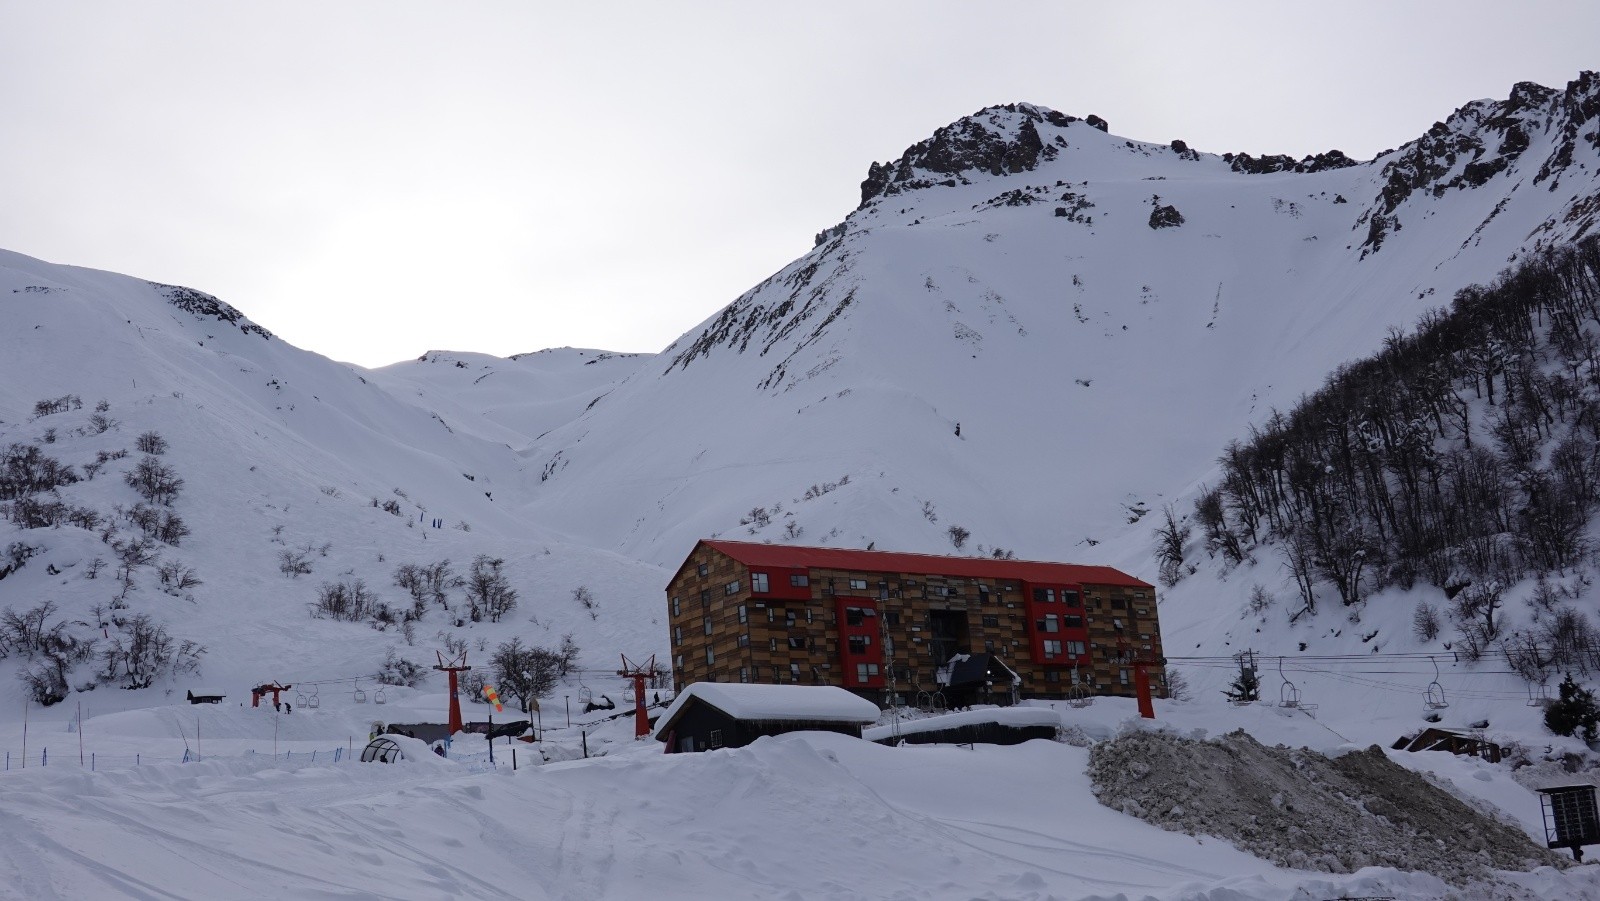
pixel 458 665
pixel 638 673
pixel 1141 685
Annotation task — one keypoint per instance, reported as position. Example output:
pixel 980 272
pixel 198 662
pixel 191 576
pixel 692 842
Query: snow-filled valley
pixel 1012 334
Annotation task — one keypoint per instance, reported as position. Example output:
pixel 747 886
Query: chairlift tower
pixel 638 673
pixel 455 666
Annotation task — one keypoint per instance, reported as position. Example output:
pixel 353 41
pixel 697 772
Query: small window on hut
pixel 716 738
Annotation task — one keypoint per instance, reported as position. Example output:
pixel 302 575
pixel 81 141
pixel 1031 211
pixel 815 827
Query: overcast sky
pixel 372 180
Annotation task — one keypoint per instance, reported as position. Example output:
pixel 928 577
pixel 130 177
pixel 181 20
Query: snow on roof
pixel 1015 717
pixel 774 702
pixel 794 557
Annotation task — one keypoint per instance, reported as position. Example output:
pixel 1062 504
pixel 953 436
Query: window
pixel 677 635
pixel 797 643
pixel 679 662
pixel 1044 595
pixel 794 672
pixel 892 617
pixel 1072 622
pixel 705 597
pixel 772 644
pixel 858 584
pixel 744 640
pixel 855 616
pixel 1052 648
pixel 1122 676
pixel 772 614
pixel 990 620
pixel 1049 623
pixel 788 618
pixel 731 587
pixel 707 621
pixel 716 738
pixel 758 582
pixel 1075 648
pixel 701 570
pixel 799 581
pixel 1052 675
pixel 711 656
pixel 865 671
pixel 860 643
pixel 1070 598
pixel 744 615
pixel 744 674
pixel 676 609
pixel 808 614
pixel 1116 623
pixel 988 645
pixel 1119 604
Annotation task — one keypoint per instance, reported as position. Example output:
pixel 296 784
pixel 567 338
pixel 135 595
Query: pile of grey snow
pixel 1300 809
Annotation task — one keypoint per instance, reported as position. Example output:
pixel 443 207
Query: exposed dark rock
pixel 202 304
pixel 1097 122
pixel 1164 216
pixel 1250 165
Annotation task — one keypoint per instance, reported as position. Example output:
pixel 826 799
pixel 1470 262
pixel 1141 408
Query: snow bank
pixel 1016 717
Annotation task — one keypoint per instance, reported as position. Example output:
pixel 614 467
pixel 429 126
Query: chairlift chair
pixel 300 698
pixel 1434 696
pixel 1540 696
pixel 924 701
pixel 627 693
pixel 313 701
pixel 377 696
pixel 1077 695
pixel 939 705
pixel 1288 692
pixel 359 695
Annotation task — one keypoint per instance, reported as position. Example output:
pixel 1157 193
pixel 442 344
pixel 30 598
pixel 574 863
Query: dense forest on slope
pixel 1465 454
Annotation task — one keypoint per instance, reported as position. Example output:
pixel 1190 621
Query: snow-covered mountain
pixel 1031 331
pixel 280 451
pixel 1099 315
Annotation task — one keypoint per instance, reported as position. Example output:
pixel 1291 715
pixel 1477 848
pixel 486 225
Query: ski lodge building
pixel 878 623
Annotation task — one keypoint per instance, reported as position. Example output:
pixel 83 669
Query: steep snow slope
pixel 1006 275
pixel 512 399
pixel 281 451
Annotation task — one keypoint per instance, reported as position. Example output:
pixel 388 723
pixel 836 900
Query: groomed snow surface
pixel 801 816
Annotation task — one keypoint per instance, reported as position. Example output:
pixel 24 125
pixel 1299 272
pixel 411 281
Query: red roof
pixel 792 557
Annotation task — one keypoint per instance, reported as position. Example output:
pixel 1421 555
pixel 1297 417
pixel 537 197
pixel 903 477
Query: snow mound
pixel 1300 809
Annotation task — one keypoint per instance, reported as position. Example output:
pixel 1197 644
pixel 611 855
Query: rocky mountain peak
pixel 1483 139
pixel 997 140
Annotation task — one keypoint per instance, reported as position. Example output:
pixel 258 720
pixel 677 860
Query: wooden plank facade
pixel 869 620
